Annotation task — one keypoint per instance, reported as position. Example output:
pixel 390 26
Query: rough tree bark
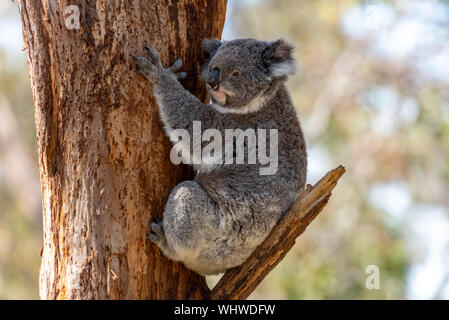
pixel 104 159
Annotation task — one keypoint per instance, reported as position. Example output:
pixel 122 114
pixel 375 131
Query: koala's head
pixel 238 71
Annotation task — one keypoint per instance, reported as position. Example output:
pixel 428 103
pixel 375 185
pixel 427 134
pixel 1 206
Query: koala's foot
pixel 157 232
pixel 152 68
pixel 157 236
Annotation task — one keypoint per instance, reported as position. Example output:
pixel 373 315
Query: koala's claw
pixel 153 55
pixel 156 228
pixel 176 65
pixel 157 220
pixel 145 67
pixel 156 234
pixel 181 75
pixel 153 237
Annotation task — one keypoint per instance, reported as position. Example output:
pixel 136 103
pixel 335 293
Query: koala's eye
pixel 236 73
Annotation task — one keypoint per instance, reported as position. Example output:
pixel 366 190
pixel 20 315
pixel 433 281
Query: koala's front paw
pixel 149 68
pixel 152 68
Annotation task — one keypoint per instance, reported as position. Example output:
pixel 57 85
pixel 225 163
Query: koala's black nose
pixel 214 78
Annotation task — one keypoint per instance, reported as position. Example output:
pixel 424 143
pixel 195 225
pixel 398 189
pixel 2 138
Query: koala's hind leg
pixel 190 223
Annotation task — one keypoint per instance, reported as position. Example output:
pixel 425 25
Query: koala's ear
pixel 210 47
pixel 278 58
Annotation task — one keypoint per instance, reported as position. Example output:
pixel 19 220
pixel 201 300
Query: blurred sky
pixel 417 34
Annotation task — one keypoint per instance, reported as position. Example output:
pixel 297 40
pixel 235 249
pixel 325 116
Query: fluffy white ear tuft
pixel 286 68
pixel 278 58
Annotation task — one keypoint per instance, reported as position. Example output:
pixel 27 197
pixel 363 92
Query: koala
pixel 214 222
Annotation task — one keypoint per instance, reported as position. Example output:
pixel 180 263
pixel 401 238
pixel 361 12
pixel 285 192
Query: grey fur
pixel 214 223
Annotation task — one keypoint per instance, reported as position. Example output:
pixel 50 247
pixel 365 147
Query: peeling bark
pixel 103 157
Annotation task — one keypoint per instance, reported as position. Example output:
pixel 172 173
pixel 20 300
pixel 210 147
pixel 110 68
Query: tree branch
pixel 240 282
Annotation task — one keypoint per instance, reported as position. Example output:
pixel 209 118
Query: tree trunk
pixel 104 159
